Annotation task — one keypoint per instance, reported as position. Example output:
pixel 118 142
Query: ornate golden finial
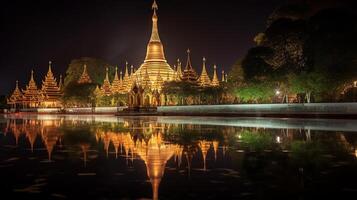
pixel 223 76
pixel 32 74
pixel 154 5
pixel 188 51
pixel 17 83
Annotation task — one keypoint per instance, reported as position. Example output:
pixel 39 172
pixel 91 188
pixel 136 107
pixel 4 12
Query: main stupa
pixel 155 63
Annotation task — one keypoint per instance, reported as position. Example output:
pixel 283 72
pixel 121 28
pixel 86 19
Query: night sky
pixel 34 32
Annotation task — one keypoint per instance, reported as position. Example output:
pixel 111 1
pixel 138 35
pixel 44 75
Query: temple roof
pixel 85 78
pixel 189 74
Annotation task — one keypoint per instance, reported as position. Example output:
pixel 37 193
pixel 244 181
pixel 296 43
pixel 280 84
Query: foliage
pixel 306 51
pixel 255 92
pixel 78 94
pixel 186 91
pixel 111 100
pixel 95 68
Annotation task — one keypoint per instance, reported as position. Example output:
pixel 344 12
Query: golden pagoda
pixel 16 97
pixel 155 58
pixel 204 79
pixel 126 79
pixel 32 96
pixel 106 87
pixel 155 154
pixel 98 92
pixel 50 90
pixel 215 145
pixel 116 85
pixel 215 81
pixel 204 146
pixel 85 78
pixel 178 71
pixel 223 76
pixel 189 74
pixel 60 84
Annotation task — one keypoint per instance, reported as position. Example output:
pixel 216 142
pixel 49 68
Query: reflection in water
pixel 189 146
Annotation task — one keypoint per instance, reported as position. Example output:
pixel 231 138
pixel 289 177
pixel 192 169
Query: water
pixel 107 157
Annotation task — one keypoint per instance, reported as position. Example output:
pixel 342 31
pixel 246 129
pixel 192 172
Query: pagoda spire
pixel 126 79
pixel 188 63
pixel 189 74
pixel 49 68
pixel 178 70
pixel 155 49
pixel 223 76
pixel 204 79
pixel 60 84
pixel 154 31
pixel 116 86
pixel 85 78
pixel 106 87
pixel 215 81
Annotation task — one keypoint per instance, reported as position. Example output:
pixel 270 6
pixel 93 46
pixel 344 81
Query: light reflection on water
pixel 180 157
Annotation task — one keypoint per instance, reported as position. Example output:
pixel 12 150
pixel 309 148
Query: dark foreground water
pixel 105 157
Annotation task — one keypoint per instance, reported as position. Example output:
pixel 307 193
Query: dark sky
pixel 34 32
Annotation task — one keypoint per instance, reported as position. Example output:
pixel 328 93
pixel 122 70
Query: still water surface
pixel 107 157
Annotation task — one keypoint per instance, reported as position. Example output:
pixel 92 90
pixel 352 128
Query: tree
pixel 78 94
pixel 95 68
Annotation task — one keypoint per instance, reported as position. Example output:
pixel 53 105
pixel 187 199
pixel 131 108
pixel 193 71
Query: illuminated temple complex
pixel 143 86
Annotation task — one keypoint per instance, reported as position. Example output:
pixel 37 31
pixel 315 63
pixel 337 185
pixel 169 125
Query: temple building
pixel 32 96
pixel 144 86
pixel 49 96
pixel 51 90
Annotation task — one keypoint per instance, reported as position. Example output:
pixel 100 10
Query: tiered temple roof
pixel 106 87
pixel 16 96
pixel 50 90
pixel 204 79
pixel 85 78
pixel 32 96
pixel 117 83
pixel 189 74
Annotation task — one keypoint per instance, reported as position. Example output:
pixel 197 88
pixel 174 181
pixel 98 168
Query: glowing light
pixel 277 92
pixel 278 140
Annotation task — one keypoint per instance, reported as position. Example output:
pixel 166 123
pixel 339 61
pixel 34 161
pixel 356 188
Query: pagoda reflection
pixel 158 145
